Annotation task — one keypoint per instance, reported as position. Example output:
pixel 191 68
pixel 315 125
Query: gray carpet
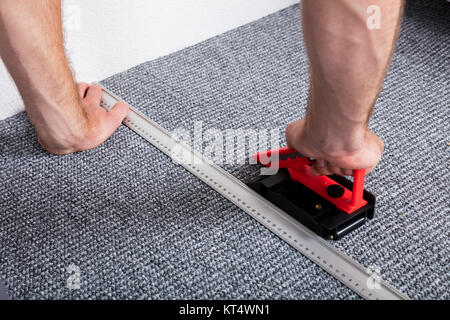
pixel 138 226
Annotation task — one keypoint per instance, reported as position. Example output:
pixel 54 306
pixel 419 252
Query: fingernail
pixel 321 163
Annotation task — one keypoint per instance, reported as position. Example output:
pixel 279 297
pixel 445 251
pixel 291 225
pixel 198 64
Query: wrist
pixel 334 135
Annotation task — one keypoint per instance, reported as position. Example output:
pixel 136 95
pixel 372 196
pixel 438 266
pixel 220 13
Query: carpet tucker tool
pixel 331 206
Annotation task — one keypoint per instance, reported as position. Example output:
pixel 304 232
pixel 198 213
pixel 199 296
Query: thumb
pixel 118 113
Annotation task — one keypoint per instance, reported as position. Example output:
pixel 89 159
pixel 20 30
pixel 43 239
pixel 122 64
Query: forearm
pixel 31 45
pixel 348 62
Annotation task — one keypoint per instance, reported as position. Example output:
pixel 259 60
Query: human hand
pixel 87 127
pixel 335 154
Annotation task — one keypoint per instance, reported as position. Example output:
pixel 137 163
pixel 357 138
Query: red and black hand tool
pixel 332 206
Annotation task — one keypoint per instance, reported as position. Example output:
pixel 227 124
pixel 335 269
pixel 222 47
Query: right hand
pixel 337 156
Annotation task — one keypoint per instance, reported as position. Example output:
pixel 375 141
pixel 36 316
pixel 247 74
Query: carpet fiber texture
pixel 123 221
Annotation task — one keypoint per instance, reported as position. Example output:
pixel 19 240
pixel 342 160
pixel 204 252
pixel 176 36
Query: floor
pixel 129 223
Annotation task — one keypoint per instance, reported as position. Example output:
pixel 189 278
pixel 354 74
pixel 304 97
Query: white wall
pixel 104 37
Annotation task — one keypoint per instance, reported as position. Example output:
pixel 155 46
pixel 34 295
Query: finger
pixel 118 113
pixel 346 172
pixel 336 170
pixel 322 169
pixel 82 87
pixel 314 171
pixel 321 163
pixel 94 95
pixel 368 170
